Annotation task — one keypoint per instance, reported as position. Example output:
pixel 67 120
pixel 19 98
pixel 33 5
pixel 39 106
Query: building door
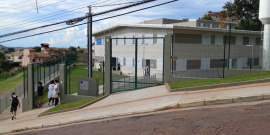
pixel 147 67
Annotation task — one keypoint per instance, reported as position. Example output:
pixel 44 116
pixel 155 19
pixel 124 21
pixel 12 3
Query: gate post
pixel 167 58
pixel 108 56
pixel 28 103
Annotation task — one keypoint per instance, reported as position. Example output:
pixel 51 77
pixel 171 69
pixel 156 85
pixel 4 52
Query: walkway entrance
pixel 131 61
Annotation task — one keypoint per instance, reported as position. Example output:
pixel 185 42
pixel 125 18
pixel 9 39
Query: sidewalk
pixel 145 100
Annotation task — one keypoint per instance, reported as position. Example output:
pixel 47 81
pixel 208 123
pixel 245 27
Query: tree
pixel 207 18
pixel 4 63
pixel 246 12
pixel 11 50
pixel 81 51
pixel 72 49
pixel 37 49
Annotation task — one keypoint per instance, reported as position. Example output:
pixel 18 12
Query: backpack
pixel 14 101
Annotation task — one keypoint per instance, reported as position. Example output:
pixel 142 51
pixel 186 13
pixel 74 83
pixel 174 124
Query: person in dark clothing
pixel 40 91
pixel 119 66
pixel 14 104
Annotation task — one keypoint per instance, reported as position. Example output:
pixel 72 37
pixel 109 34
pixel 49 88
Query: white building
pixel 195 47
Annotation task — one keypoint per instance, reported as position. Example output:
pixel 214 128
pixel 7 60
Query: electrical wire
pixel 16 14
pixel 79 18
pixel 92 21
pixel 51 19
pixel 14 4
pixel 44 17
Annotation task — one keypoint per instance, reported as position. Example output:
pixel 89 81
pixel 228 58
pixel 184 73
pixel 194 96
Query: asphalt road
pixel 237 119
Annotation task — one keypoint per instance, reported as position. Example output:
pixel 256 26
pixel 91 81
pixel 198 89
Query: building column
pixel 167 58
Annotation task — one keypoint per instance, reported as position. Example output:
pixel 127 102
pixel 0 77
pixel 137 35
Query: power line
pixel 92 21
pixel 44 17
pixel 15 3
pixel 51 19
pixel 78 18
pixel 16 14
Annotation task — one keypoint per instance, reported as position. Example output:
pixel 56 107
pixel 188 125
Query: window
pixel 245 40
pixel 201 25
pixel 228 26
pixel 34 60
pixel 220 27
pixel 211 25
pixel 39 59
pixel 213 39
pixel 188 38
pixel 216 16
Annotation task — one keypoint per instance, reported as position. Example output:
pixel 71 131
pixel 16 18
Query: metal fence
pixel 43 72
pixel 126 83
pixel 212 54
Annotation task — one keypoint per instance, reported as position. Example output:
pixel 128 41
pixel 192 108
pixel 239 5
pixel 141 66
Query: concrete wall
pixel 64 98
pixel 233 72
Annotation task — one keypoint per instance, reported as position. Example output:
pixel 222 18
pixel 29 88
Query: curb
pixel 173 106
pixel 76 108
pixel 221 85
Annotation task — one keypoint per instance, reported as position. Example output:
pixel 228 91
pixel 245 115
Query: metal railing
pixel 126 83
pixel 43 72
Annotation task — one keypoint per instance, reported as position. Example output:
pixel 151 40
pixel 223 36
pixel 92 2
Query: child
pixel 14 104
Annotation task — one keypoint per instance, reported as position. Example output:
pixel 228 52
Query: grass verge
pixel 9 83
pixel 201 82
pixel 72 104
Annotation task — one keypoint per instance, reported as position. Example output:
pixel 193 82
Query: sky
pixel 17 15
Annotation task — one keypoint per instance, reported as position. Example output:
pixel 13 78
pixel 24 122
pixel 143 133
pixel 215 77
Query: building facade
pixel 194 47
pixel 220 16
pixel 30 56
pixel 15 56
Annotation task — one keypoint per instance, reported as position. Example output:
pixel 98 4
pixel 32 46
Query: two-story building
pixel 30 56
pixel 197 45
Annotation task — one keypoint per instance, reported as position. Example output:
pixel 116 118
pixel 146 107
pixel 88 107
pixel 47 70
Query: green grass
pixel 201 82
pixel 72 104
pixel 81 72
pixel 9 83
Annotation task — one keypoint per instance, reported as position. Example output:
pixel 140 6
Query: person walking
pixel 14 104
pixel 50 93
pixel 40 90
pixel 56 90
pixel 119 66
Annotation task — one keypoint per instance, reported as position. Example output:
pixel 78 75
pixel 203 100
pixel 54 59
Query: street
pixel 250 118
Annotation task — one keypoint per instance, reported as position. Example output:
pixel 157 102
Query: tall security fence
pixel 215 53
pixel 42 72
pixel 135 64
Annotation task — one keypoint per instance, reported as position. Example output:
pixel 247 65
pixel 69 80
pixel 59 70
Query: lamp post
pixel 251 63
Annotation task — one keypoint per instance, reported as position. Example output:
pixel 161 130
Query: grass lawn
pixel 72 104
pixel 81 72
pixel 201 82
pixel 9 83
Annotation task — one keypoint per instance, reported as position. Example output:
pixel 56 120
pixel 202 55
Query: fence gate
pixel 136 63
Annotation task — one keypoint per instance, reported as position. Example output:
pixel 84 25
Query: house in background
pixel 45 47
pixel 14 56
pixel 30 56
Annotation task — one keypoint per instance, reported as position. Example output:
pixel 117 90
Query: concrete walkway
pixel 139 101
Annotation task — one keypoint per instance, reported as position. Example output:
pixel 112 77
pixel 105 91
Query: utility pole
pixel 89 42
